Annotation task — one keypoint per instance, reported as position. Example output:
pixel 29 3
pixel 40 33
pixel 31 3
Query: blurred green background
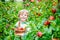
pixel 39 12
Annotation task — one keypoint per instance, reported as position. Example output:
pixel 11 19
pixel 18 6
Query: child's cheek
pixel 20 16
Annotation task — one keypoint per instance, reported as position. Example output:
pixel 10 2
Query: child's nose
pixel 23 15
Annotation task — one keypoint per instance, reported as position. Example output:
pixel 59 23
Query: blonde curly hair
pixel 22 11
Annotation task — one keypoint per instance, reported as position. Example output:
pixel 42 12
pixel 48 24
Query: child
pixel 21 25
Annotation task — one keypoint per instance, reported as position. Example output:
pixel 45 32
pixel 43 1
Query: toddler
pixel 21 25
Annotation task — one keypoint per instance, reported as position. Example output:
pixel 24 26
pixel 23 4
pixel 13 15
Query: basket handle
pixel 19 24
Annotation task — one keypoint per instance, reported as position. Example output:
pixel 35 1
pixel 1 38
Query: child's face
pixel 23 16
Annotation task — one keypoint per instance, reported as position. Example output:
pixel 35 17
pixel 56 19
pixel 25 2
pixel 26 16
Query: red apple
pixel 32 0
pixel 46 23
pixel 53 10
pixel 39 34
pixel 51 18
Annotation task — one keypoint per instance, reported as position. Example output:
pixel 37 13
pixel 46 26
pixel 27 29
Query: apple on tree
pixel 53 10
pixel 46 23
pixel 39 34
pixel 51 18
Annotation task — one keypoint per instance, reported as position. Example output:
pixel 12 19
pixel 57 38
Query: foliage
pixel 39 12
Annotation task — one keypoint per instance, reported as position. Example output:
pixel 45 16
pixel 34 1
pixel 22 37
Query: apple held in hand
pixel 46 23
pixel 39 34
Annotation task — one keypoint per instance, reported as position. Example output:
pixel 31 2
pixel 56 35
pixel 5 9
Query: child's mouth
pixel 23 18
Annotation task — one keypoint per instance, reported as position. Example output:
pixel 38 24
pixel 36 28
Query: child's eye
pixel 25 15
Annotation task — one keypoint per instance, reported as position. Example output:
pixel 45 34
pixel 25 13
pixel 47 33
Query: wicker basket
pixel 20 32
